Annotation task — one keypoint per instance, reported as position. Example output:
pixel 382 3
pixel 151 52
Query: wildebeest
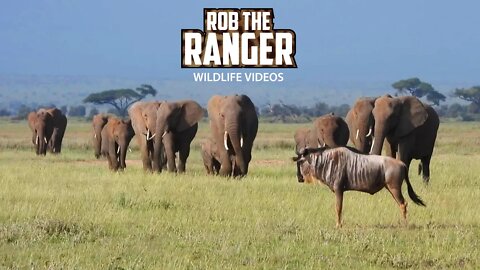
pixel 342 169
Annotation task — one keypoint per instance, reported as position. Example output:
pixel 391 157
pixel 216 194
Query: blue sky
pixel 439 41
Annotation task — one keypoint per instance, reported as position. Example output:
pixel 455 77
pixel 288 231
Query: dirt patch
pixel 269 162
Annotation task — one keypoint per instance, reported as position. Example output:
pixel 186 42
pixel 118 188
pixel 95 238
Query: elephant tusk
pixel 241 141
pixel 164 133
pixel 356 137
pixel 153 136
pixel 36 140
pixel 129 149
pixel 324 144
pixel 118 150
pixel 225 137
pixel 373 143
pixel 95 135
pixel 45 139
pixel 148 134
pixel 369 132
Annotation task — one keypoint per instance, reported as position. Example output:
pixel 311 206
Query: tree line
pixel 119 101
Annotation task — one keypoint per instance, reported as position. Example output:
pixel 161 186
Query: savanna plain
pixel 70 212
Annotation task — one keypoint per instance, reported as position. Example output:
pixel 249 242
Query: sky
pixel 337 41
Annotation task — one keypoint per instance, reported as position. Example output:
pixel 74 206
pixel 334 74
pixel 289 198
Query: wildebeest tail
pixel 415 198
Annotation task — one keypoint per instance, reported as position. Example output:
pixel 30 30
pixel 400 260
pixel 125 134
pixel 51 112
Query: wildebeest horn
pixel 369 132
pixel 356 137
pixel 118 150
pixel 36 140
pixel 225 137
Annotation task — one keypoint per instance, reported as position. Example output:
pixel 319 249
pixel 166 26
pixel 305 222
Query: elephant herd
pixel 165 129
pixel 406 126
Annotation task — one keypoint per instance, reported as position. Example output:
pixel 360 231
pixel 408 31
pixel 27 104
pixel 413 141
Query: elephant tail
pixel 411 193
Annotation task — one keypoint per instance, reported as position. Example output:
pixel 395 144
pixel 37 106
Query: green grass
pixel 69 211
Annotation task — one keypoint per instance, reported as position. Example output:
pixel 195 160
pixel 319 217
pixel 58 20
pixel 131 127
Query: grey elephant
pixel 116 136
pixel 361 123
pixel 305 138
pixel 98 122
pixel 234 125
pixel 144 119
pixel 176 126
pixel 409 126
pixel 327 130
pixel 330 130
pixel 210 156
pixel 48 128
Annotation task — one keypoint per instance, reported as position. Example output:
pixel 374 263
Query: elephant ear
pixel 191 113
pixel 412 115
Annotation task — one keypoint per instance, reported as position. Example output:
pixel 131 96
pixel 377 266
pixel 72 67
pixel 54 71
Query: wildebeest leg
pixel 338 207
pixel 397 195
pixel 426 169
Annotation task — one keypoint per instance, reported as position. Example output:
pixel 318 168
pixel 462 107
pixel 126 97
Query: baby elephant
pixel 210 156
pixel 116 136
pixel 342 169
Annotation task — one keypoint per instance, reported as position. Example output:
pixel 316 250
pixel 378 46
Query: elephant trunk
pixel 377 142
pixel 41 147
pixel 236 140
pixel 122 155
pixel 363 139
pixel 157 154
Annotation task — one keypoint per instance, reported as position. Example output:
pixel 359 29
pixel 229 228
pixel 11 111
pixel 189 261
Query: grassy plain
pixel 70 212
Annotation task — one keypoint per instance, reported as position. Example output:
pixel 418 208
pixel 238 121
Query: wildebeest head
pixel 306 159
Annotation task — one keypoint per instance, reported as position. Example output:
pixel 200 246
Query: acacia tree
pixel 471 94
pixel 420 89
pixel 121 99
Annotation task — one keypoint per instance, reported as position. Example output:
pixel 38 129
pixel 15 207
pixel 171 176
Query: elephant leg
pixel 169 152
pixel 183 154
pixel 225 165
pixel 147 164
pixel 425 161
pixel 112 154
pixel 215 166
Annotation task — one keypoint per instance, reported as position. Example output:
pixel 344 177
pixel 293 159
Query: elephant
pixel 116 136
pixel 234 124
pixel 361 123
pixel 305 138
pixel 211 159
pixel 330 130
pixel 327 130
pixel 48 128
pixel 176 126
pixel 144 119
pixel 410 128
pixel 98 122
